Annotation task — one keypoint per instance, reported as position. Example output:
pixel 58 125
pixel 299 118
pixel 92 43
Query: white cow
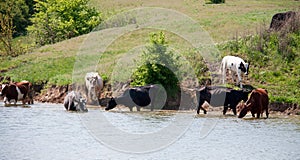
pixel 235 65
pixel 94 85
pixel 75 102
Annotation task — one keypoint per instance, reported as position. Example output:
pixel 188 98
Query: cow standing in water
pixel 138 96
pixel 235 65
pixel 256 104
pixel 221 96
pixel 17 91
pixel 75 102
pixel 94 85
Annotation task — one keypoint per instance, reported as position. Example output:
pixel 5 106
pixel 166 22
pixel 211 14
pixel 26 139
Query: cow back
pixel 140 96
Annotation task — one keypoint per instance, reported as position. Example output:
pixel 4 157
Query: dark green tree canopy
pixel 21 11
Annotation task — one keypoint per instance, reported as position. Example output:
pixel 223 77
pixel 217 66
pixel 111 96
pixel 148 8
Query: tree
pixel 157 65
pixel 57 20
pixel 7 29
pixel 20 12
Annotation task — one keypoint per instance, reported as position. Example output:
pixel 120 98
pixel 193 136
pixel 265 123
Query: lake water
pixel 47 131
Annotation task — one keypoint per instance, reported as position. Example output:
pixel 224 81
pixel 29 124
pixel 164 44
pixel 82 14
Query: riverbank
pixel 56 94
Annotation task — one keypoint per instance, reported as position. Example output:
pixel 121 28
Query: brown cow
pixel 257 103
pixel 17 91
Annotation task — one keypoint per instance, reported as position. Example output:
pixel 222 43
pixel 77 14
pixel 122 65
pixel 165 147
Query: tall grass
pixel 275 59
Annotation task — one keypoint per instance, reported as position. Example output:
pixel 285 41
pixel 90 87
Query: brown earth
pixel 56 94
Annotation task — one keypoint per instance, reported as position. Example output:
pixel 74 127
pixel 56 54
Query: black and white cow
pixel 138 96
pixel 221 96
pixel 75 102
pixel 235 65
pixel 94 85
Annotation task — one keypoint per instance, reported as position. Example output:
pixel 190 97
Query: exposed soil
pixel 56 94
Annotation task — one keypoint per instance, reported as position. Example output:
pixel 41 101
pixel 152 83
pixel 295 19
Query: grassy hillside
pixel 222 21
pixel 54 63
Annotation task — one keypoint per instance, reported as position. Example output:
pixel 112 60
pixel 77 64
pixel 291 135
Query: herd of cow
pixel 143 96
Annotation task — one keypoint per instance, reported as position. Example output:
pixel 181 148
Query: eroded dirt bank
pixel 56 94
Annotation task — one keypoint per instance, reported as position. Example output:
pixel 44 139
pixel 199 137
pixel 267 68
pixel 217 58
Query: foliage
pixel 198 65
pixel 6 35
pixel 275 59
pixel 20 11
pixel 158 65
pixel 56 20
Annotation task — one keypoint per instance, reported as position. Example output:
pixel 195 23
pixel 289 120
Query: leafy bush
pixel 57 20
pixel 157 65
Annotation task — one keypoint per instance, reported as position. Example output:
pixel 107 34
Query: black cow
pixel 137 96
pixel 221 96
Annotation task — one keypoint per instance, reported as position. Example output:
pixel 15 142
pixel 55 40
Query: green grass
pixel 55 63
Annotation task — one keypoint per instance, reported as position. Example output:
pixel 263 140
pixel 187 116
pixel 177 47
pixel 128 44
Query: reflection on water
pixel 47 131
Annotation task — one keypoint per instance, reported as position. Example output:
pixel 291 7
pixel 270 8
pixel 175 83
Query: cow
pixel 235 65
pixel 137 96
pixel 221 96
pixel 257 103
pixel 17 91
pixel 279 20
pixel 94 85
pixel 74 101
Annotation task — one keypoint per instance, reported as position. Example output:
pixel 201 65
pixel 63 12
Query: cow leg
pixel 89 96
pixel 225 110
pixel 267 112
pixel 138 108
pixel 5 100
pixel 223 73
pixel 130 108
pixel 234 111
pixel 70 104
pixel 258 114
pixel 239 79
pixel 15 102
pixel 200 107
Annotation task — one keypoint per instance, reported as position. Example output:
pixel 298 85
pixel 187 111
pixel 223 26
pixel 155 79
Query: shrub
pixel 157 65
pixel 57 20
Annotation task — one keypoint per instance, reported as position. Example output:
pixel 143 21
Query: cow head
pixel 111 104
pixel 3 89
pixel 244 110
pixel 244 67
pixel 92 85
